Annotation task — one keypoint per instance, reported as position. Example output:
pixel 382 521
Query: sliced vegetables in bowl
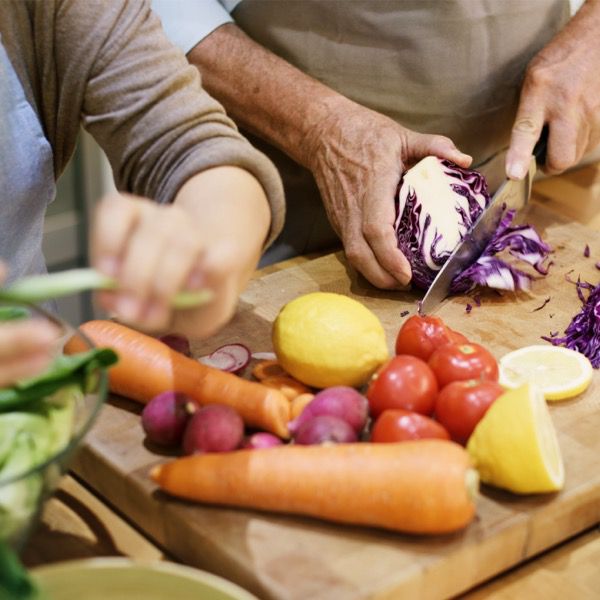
pixel 42 420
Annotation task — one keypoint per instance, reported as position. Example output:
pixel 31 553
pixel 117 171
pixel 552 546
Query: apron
pixel 27 182
pixel 449 67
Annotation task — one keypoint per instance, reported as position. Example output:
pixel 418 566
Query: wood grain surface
pixel 282 557
pixel 79 523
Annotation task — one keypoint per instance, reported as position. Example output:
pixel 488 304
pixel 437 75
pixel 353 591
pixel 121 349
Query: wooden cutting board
pixel 280 557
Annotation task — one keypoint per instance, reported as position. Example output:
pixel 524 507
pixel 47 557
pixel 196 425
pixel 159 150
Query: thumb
pixel 423 145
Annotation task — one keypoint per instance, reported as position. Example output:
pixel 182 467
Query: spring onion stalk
pixel 39 288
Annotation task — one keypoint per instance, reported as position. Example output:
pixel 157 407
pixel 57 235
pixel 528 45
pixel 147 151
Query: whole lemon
pixel 325 339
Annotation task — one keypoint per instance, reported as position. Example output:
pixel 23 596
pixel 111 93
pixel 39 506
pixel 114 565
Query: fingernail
pixel 195 280
pixel 128 307
pixel 515 170
pixel 108 265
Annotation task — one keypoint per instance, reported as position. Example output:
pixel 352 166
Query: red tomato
pixel 399 425
pixel 403 382
pixel 461 404
pixel 420 336
pixel 459 362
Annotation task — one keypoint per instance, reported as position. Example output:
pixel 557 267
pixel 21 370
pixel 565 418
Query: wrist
pixel 227 202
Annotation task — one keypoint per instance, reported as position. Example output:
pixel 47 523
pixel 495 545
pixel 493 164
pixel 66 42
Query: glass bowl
pixel 30 469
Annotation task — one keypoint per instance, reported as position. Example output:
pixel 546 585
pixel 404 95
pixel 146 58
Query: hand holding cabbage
pixel 357 161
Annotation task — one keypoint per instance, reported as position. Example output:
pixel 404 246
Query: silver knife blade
pixel 511 194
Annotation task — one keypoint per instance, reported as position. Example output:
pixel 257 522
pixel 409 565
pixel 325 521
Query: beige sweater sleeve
pixel 145 105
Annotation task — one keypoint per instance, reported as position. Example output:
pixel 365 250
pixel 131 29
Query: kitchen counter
pixel 79 524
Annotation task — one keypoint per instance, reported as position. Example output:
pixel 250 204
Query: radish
pixel 323 429
pixel 261 440
pixel 214 428
pixel 177 342
pixel 231 358
pixel 340 401
pixel 165 417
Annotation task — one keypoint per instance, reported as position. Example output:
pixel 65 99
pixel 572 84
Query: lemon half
pixel 515 446
pixel 325 339
pixel 559 372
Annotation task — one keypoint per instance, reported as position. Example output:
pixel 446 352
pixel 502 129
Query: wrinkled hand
pixel 25 347
pixel 561 88
pixel 357 162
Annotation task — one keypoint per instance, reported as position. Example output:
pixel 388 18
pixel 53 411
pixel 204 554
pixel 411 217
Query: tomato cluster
pixel 439 385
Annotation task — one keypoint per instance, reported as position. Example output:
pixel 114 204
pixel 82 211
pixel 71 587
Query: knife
pixel 511 194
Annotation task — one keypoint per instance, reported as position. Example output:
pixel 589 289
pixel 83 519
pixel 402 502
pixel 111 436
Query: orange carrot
pixel 148 367
pixel 288 386
pixel 268 368
pixel 424 486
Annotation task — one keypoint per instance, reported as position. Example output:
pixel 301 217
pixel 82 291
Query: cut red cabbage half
pixel 583 333
pixel 436 205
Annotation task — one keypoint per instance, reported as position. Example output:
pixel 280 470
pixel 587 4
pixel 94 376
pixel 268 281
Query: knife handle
pixel 541 147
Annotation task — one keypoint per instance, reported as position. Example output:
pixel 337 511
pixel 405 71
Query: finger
pixel 423 145
pixel 378 231
pixel 22 367
pixel 562 146
pixel 2 271
pixel 525 133
pixel 173 272
pixel 362 258
pixel 114 219
pixel 27 337
pixel 139 261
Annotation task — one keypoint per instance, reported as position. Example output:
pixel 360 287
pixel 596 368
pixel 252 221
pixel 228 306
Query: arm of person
pixel 355 154
pixel 561 89
pixel 218 201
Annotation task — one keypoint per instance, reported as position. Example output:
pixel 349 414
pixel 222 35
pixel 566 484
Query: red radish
pixel 231 358
pixel 165 417
pixel 325 428
pixel 214 428
pixel 261 440
pixel 339 401
pixel 177 342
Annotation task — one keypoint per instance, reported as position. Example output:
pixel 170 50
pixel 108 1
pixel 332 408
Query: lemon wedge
pixel 325 339
pixel 515 446
pixel 559 372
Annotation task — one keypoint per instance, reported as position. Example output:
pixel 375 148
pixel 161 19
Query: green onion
pixel 39 288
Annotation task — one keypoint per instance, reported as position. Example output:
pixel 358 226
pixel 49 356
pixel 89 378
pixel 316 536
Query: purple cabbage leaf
pixel 436 205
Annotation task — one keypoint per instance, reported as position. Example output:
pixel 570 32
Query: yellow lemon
pixel 326 339
pixel 515 447
pixel 559 372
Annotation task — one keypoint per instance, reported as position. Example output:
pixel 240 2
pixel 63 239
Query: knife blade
pixel 512 194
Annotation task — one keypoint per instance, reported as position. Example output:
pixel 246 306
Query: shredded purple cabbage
pixel 423 241
pixel 586 251
pixel 522 242
pixel 583 333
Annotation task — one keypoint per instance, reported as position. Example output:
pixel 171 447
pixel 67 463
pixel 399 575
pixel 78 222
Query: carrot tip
pixel 155 473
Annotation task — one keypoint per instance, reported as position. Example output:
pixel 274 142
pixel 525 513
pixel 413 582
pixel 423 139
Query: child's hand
pixel 210 237
pixel 25 347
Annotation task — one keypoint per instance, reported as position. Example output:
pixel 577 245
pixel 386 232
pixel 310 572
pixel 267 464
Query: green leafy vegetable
pixel 70 370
